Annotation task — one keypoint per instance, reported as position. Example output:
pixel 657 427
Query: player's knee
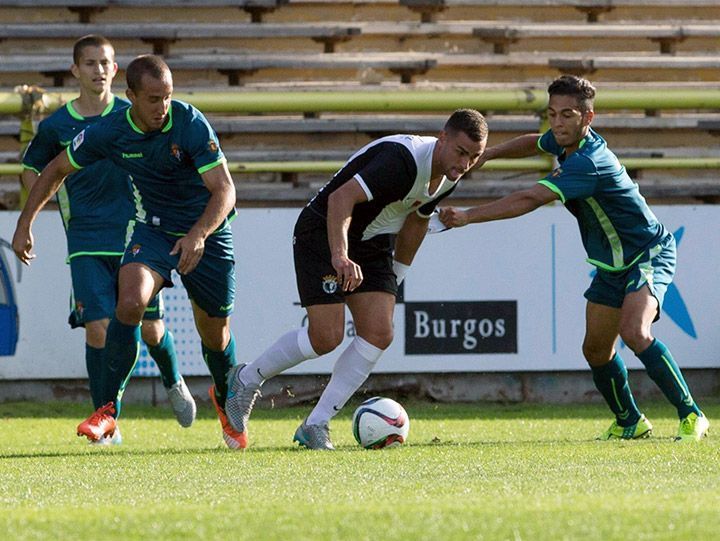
pixel 95 335
pixel 152 331
pixel 380 339
pixel 326 340
pixel 129 311
pixel 594 355
pixel 636 337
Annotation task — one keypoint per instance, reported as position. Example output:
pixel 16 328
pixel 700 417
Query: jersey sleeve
pixel 88 146
pixel 203 145
pixel 428 208
pixel 389 176
pixel 42 149
pixel 576 178
pixel 549 145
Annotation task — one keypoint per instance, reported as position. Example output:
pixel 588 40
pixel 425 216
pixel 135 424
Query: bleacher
pixel 395 45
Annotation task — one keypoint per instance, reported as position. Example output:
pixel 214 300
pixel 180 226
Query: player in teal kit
pixel 634 255
pixel 184 202
pixel 96 207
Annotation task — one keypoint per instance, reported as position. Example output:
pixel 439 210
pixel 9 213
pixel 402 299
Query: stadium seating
pixel 383 44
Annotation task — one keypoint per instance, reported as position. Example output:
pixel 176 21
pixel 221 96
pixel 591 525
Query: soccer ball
pixel 380 422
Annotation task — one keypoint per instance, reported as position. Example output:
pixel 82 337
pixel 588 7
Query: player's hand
pixel 191 250
pixel 453 217
pixel 22 245
pixel 349 273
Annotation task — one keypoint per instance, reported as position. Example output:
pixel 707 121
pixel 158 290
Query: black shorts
pixel 317 279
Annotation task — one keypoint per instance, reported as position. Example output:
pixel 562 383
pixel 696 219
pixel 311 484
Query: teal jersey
pixel 164 165
pixel 616 224
pixel 95 202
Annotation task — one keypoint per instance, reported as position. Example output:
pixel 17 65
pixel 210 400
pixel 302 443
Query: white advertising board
pixel 503 296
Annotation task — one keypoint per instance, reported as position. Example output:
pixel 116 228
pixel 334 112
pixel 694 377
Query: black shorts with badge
pixel 317 279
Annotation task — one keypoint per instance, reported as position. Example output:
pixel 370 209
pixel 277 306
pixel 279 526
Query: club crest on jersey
pixel 176 152
pixel 135 250
pixel 330 284
pixel 212 145
pixel 78 140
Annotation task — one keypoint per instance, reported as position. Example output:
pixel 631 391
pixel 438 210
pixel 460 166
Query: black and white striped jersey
pixel 394 172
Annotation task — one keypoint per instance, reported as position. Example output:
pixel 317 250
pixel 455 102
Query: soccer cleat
pixel 694 427
pixel 113 439
pixel 641 429
pixel 182 403
pixel 100 424
pixel 233 439
pixel 240 400
pixel 316 437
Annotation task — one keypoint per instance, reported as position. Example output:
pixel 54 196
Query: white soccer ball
pixel 380 422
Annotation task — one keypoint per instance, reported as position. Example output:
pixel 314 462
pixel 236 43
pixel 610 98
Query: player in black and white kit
pixel 353 244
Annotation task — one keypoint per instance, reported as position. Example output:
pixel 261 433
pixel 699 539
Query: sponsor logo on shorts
pixel 135 250
pixel 330 284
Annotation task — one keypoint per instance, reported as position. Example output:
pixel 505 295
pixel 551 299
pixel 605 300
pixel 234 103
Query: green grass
pixel 474 471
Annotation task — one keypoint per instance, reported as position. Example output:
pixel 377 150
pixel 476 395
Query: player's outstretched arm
pixel 517 147
pixel 222 200
pixel 510 206
pixel 42 190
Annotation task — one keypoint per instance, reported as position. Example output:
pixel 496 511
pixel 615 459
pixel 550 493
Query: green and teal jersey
pixel 165 165
pixel 616 224
pixel 95 202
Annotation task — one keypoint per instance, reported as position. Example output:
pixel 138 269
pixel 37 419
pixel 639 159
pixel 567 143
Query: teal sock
pixel 164 356
pixel 611 380
pixel 122 346
pixel 219 364
pixel 664 371
pixel 94 364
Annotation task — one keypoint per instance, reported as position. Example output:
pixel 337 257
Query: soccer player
pixel 634 255
pixel 184 202
pixel 96 206
pixel 353 244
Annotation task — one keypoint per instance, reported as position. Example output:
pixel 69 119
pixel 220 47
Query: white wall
pixel 534 265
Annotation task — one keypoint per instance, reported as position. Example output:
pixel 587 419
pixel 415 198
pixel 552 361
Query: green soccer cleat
pixel 641 429
pixel 694 427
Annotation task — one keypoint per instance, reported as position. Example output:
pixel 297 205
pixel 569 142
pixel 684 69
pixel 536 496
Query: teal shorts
pixel 655 269
pixel 94 290
pixel 211 285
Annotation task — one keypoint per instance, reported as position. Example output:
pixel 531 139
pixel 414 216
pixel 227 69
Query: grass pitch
pixel 472 471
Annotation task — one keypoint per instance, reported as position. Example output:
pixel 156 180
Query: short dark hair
pixel 91 40
pixel 149 64
pixel 570 85
pixel 470 122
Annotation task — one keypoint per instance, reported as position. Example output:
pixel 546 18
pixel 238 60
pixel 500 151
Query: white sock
pixel 290 349
pixel 350 372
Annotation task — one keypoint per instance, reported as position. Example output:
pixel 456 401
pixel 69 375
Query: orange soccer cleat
pixel 233 438
pixel 100 424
